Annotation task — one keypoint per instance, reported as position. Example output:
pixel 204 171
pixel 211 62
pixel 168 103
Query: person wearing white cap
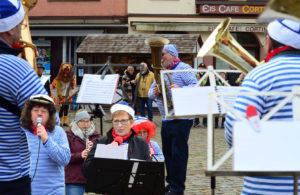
pixel 120 135
pixel 48 145
pixel 174 133
pixel 279 74
pixel 18 82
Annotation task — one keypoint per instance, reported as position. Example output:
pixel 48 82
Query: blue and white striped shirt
pixel 280 74
pixel 18 82
pixel 53 156
pixel 182 79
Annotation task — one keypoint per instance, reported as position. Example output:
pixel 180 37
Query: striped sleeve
pixel 58 147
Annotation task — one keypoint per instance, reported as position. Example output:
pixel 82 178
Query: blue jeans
pixel 148 102
pixel 75 189
pixel 174 137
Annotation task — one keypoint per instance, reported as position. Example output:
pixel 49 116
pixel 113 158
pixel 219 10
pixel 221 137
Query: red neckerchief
pixel 17 46
pixel 125 137
pixel 33 128
pixel 176 60
pixel 276 51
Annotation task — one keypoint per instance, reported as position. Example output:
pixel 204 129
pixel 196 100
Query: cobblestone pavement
pixel 196 182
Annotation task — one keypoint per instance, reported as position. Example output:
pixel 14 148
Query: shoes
pixel 173 193
pixel 196 125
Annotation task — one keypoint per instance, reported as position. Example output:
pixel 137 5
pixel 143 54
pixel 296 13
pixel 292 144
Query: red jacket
pixel 73 173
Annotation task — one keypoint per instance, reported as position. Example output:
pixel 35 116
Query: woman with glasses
pixel 121 134
pixel 80 136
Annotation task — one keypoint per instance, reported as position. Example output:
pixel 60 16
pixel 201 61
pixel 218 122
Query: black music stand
pixel 114 176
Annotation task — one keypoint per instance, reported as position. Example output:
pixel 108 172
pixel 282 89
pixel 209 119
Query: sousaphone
pixel 221 44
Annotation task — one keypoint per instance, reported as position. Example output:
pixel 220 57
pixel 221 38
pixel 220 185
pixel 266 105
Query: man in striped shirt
pixel 174 133
pixel 18 82
pixel 279 74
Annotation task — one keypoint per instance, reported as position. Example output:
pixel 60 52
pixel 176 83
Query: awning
pixel 134 43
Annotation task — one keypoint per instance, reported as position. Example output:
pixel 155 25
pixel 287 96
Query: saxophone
pixel 29 49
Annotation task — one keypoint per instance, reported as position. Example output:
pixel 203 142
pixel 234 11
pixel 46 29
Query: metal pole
pixel 295 184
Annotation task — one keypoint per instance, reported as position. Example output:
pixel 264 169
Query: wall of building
pixel 161 7
pixel 80 8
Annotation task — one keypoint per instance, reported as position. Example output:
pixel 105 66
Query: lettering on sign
pixel 231 9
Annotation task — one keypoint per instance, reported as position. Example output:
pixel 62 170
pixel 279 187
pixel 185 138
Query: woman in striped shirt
pixel 48 145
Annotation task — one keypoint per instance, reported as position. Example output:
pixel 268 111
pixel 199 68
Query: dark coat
pixel 73 173
pixel 137 149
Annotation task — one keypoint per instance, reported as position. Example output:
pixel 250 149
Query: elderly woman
pixel 121 134
pixel 80 136
pixel 146 129
pixel 48 145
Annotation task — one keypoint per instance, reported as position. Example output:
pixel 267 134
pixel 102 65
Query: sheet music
pixel 229 100
pixel 95 90
pixel 112 152
pixel 274 148
pixel 194 100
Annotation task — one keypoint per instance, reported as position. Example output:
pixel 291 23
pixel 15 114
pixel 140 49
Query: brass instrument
pixel 30 51
pixel 279 9
pixel 221 44
pixel 156 44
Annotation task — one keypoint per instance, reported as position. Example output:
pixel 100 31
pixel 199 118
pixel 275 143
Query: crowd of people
pixel 37 156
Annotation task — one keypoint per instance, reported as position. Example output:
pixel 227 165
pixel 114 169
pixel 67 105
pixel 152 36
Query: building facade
pixel 200 17
pixel 59 26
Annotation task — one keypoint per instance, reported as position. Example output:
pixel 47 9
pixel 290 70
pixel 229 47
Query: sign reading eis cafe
pixel 231 9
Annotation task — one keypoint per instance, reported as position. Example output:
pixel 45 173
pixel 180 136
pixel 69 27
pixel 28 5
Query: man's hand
pixel 155 91
pixel 174 86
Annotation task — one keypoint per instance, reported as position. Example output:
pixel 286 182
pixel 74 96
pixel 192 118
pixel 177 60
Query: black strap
pixel 10 107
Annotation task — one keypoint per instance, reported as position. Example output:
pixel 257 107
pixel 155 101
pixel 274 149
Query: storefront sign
pixel 231 9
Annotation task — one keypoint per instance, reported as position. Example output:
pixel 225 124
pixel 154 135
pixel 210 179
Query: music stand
pixel 124 177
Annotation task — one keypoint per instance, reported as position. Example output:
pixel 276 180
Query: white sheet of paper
pixel 192 101
pixel 112 152
pixel 229 100
pixel 95 90
pixel 274 148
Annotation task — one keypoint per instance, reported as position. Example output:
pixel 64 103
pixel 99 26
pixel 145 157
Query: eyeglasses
pixel 23 26
pixel 123 122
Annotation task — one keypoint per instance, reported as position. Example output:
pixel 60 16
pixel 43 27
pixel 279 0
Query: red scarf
pixel 125 137
pixel 152 151
pixel 33 128
pixel 176 60
pixel 276 51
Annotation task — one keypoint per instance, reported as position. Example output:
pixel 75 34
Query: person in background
pixel 146 129
pixel 81 136
pixel 121 134
pixel 279 73
pixel 48 145
pixel 45 80
pixel 174 133
pixel 18 82
pixel 144 83
pixel 128 81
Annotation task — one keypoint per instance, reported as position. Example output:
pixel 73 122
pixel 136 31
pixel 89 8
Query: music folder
pixel 125 177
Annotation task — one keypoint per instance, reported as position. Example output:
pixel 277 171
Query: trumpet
pixel 221 44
